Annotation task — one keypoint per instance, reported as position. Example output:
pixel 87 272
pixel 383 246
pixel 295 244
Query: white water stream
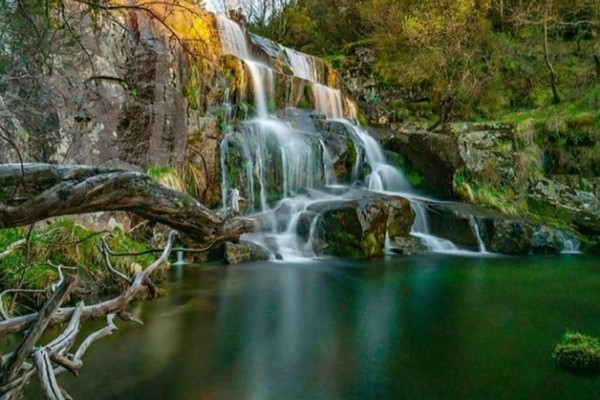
pixel 270 164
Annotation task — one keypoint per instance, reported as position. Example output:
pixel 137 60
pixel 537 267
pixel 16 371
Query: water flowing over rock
pixel 358 228
pixel 266 130
pixel 245 252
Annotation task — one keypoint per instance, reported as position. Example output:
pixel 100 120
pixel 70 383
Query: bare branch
pixel 11 369
pixel 12 248
pixel 115 305
pixel 105 250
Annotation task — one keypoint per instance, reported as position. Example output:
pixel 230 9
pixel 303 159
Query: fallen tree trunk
pixel 34 192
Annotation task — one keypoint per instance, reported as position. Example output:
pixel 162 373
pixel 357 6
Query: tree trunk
pixel 553 76
pixel 34 192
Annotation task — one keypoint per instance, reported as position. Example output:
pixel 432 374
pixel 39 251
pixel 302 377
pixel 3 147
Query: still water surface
pixel 432 327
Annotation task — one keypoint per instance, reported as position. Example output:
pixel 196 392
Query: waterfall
pixel 273 163
pixel 303 65
pixel 234 42
pixel 383 177
pixel 420 229
pixel 235 199
pixel 570 244
pixel 328 100
pixel 480 243
pixel 233 38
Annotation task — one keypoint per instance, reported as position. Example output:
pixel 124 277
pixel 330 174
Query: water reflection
pixel 414 328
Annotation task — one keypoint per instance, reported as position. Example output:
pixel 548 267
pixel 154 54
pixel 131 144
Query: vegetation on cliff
pixel 442 60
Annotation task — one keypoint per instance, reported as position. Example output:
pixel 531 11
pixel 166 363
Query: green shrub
pixel 578 353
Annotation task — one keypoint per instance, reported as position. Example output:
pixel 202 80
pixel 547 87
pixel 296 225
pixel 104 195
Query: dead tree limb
pixel 139 283
pixel 12 248
pixel 11 369
pixel 55 357
pixel 43 191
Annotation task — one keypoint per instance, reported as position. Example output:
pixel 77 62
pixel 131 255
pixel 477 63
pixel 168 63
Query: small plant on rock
pixel 578 353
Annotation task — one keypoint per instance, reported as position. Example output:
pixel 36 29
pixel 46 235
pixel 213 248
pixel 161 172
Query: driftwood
pixel 34 192
pixel 55 357
pixel 12 367
pixel 138 283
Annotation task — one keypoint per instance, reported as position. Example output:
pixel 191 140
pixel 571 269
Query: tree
pixel 434 46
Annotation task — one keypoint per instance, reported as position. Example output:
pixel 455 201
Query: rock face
pixel 340 146
pixel 434 156
pixel 580 208
pixel 357 228
pixel 462 224
pixel 132 94
pixel 458 149
pixel 492 164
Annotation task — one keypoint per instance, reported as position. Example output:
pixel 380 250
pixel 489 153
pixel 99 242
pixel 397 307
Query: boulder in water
pixel 357 228
pixel 408 245
pixel 245 252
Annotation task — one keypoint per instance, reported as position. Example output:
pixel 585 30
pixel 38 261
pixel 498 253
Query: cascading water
pixel 234 42
pixel 267 163
pixel 480 243
pixel 328 100
pixel 383 177
pixel 420 229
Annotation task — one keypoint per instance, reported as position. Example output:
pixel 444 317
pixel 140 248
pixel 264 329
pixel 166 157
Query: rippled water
pixel 430 327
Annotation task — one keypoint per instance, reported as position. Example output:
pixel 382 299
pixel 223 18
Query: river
pixel 422 327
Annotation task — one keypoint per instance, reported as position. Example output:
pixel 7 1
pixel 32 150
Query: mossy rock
pixel 578 353
pixel 357 228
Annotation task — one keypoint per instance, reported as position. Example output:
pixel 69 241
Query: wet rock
pixel 499 233
pixel 434 156
pixel 357 228
pixel 579 208
pixel 508 236
pixel 305 221
pixel 548 240
pixel 340 146
pixel 245 252
pixel 408 245
pixel 453 222
pixel 400 217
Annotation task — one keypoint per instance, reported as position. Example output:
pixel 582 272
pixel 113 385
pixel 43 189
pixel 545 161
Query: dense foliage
pixel 453 59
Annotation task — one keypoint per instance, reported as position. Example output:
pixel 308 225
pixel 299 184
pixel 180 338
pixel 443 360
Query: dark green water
pixel 430 327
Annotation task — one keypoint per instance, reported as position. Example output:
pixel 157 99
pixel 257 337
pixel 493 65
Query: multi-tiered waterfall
pixel 277 162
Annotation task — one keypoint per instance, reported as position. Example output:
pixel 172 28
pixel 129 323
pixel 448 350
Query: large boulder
pixel 436 157
pixel 579 208
pixel 453 222
pixel 508 236
pixel 408 245
pixel 477 150
pixel 340 146
pixel 357 228
pixel 245 252
pixel 469 226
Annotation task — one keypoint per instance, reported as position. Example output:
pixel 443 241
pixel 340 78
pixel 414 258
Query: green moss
pixel 69 244
pixel 342 244
pixel 304 104
pixel 459 180
pixel 352 154
pixel 401 163
pixel 370 245
pixel 362 119
pixel 578 353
